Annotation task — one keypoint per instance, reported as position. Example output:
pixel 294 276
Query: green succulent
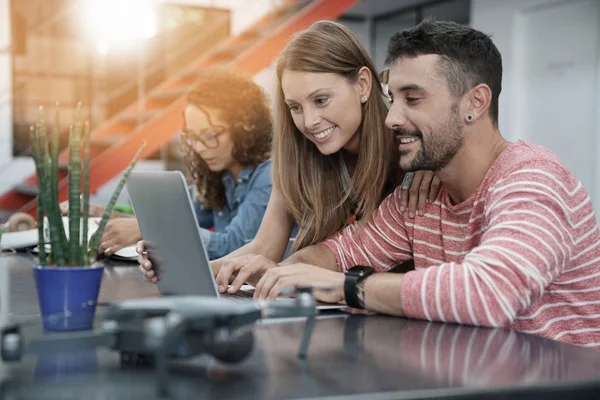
pixel 74 250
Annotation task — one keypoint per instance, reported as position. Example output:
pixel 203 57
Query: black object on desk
pixel 158 329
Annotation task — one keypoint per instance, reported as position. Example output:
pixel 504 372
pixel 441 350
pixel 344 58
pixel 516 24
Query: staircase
pixel 114 143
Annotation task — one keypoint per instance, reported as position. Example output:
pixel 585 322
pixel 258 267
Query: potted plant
pixel 67 278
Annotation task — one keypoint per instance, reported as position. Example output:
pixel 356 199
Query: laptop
pixel 165 213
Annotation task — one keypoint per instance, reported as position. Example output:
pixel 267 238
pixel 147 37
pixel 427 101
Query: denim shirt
pixel 238 221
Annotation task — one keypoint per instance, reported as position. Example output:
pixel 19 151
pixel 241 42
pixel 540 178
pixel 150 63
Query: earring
pixel 469 118
pixel 363 99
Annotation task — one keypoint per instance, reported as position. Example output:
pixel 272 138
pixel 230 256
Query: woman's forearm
pixel 272 238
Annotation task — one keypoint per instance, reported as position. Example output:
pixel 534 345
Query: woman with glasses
pixel 226 140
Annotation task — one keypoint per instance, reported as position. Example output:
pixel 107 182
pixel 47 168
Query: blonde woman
pixel 334 160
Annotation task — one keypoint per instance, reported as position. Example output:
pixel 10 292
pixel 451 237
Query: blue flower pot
pixel 67 296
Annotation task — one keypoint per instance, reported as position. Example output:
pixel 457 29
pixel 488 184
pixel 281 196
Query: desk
pixel 364 357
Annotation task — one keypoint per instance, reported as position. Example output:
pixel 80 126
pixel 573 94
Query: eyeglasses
pixel 207 137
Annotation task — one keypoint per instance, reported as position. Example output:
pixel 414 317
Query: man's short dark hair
pixel 468 56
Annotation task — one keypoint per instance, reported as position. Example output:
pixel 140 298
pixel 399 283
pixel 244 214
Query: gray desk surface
pixel 350 356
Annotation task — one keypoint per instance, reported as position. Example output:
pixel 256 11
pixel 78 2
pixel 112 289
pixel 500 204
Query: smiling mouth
pixel 324 134
pixel 406 140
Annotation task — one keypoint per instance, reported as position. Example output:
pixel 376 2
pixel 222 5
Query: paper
pixel 127 253
pixel 19 240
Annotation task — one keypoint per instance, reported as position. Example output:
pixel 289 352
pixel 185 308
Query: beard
pixel 438 150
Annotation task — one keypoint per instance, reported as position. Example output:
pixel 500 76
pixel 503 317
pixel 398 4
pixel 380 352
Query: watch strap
pixel 350 292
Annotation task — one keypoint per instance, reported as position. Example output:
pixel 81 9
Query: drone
pixel 152 331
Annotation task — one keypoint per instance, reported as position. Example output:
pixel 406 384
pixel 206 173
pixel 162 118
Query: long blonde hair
pixel 313 185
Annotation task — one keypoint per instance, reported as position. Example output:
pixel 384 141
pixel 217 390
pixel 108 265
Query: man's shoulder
pixel 531 172
pixel 523 160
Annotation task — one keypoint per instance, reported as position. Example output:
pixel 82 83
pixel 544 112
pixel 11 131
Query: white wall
pixel 5 86
pixel 384 30
pixel 551 85
pixel 499 19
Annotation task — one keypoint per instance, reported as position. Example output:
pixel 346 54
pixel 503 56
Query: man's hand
pixel 423 188
pixel 119 233
pixel 293 275
pixel 239 270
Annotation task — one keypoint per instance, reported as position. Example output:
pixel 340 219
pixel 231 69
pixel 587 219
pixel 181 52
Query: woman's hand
pixel 147 267
pixel 239 270
pixel 423 189
pixel 119 233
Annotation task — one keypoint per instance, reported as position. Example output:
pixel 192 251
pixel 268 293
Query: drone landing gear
pixel 310 324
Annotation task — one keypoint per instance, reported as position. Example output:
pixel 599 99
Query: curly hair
pixel 244 107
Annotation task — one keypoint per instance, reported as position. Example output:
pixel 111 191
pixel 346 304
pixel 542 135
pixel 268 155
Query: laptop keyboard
pixel 240 294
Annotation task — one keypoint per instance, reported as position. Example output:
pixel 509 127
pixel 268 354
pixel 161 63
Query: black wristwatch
pixel 353 276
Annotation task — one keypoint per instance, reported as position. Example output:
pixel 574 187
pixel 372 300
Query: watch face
pixel 360 270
